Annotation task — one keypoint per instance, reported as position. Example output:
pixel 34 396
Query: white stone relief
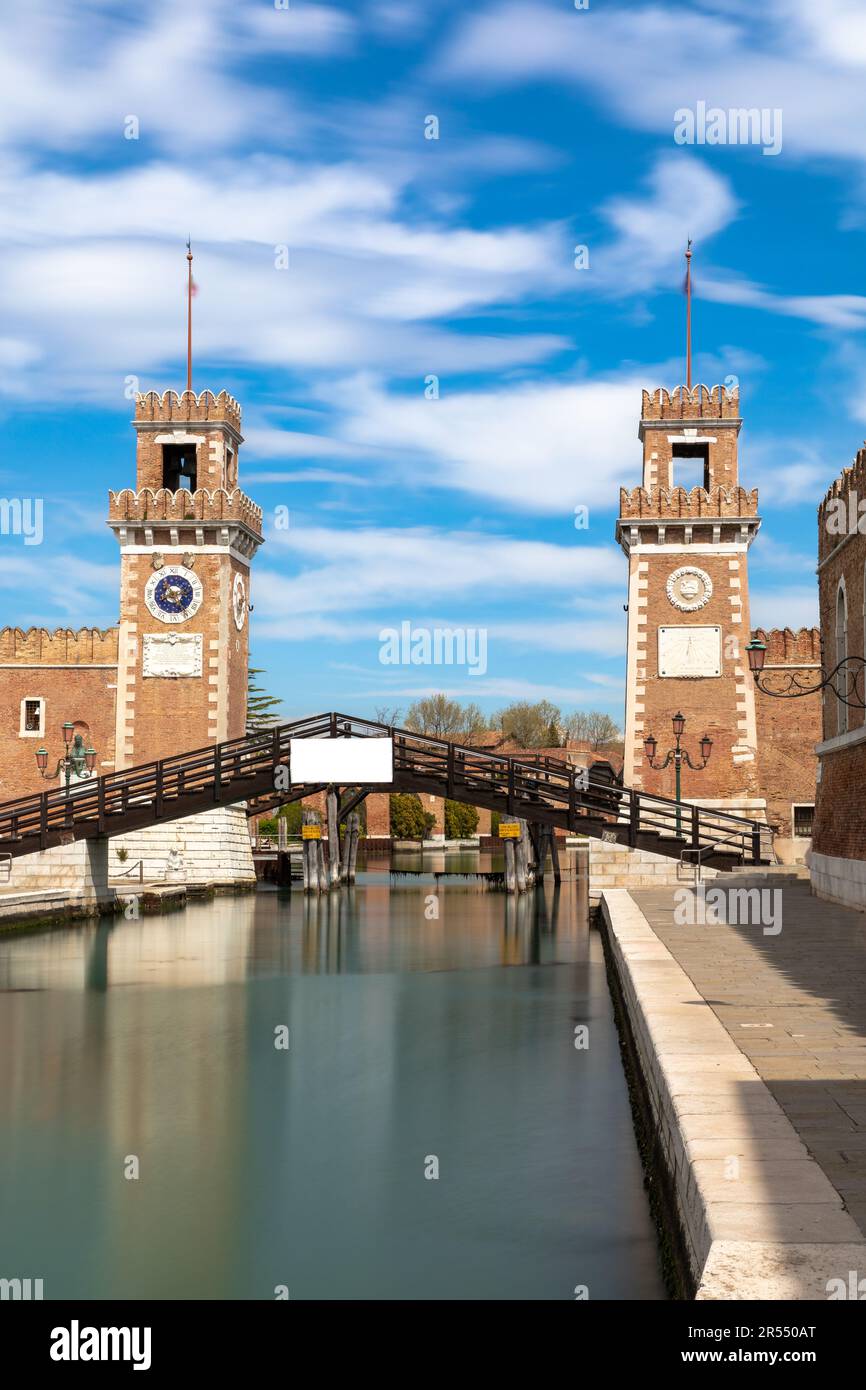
pixel 689 588
pixel 176 654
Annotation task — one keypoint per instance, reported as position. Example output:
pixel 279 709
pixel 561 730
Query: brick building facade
pixel 172 675
pixel 686 532
pixel 838 857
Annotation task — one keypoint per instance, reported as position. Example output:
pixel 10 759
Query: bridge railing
pixel 225 771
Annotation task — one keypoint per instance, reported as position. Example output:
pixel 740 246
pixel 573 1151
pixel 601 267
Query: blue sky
pixel 261 128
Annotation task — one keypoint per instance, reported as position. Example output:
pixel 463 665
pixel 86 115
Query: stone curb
pixel 759 1217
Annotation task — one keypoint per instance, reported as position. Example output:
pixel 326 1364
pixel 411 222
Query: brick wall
pixel 75 673
pixel 788 730
pixel 713 705
pixel 840 813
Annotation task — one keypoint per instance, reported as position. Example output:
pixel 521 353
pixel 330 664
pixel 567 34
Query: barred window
pixel 803 818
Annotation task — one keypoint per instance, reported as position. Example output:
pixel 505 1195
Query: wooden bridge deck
pixel 542 789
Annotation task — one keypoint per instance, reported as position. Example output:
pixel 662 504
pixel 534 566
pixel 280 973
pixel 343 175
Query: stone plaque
pixel 175 654
pixel 690 652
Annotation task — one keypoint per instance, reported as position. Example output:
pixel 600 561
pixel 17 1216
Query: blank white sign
pixel 345 760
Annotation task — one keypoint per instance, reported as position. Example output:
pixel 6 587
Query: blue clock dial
pixel 173 594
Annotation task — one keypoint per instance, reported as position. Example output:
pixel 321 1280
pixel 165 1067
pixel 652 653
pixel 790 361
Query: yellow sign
pixel 509 830
pixel 311 832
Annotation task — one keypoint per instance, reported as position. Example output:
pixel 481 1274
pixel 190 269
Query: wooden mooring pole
pixel 353 833
pixel 582 865
pixel 312 837
pixel 333 838
pixel 521 856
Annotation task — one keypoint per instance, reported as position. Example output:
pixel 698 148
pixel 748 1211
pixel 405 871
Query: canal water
pixel 430 1026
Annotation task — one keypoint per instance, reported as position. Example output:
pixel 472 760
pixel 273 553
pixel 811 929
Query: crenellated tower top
pixel 840 513
pixel 187 440
pixel 187 406
pixel 698 403
pixel 690 471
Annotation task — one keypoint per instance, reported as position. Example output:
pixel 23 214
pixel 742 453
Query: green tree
pixel 529 724
pixel 261 706
pixel 409 820
pixel 461 821
pixel 292 814
pixel 444 718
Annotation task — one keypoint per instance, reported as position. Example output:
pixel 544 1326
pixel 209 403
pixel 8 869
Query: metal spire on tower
pixel 689 314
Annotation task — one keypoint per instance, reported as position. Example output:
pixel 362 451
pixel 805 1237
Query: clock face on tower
pixel 173 594
pixel 239 601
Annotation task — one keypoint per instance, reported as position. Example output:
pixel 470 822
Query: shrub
pixel 461 821
pixel 409 820
pixel 292 814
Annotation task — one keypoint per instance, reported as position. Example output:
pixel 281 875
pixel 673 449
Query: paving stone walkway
pixel 795 1004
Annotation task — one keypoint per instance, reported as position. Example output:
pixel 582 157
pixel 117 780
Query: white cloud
pixel 367 568
pixel 794 606
pixel 48 588
pixel 649 229
pixel 363 283
pixel 787 471
pixel 845 311
pixel 541 447
pixel 297 28
pixel 646 61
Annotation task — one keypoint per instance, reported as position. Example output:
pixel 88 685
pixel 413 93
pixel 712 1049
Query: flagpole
pixel 689 315
pixel 189 318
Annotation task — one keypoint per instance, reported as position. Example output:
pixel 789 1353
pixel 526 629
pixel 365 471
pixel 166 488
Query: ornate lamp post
pixel 76 758
pixel 678 756
pixel 846 678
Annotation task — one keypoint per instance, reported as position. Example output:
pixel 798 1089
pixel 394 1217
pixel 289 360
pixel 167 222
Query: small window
pixel 803 818
pixel 32 716
pixel 179 466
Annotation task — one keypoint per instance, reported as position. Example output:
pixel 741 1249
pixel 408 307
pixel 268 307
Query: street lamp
pixel 847 674
pixel 678 756
pixel 76 758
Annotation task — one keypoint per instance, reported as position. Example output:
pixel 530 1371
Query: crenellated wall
pixel 160 504
pixel 696 403
pixel 187 406
pixel 681 503
pixel 39 646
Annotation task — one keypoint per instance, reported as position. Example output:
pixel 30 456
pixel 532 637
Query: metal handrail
pixel 139 864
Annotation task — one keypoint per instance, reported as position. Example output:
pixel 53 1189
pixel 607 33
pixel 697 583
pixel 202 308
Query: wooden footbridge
pixel 542 790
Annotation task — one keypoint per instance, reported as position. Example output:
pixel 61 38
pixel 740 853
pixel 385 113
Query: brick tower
pixel 187 536
pixel 686 532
